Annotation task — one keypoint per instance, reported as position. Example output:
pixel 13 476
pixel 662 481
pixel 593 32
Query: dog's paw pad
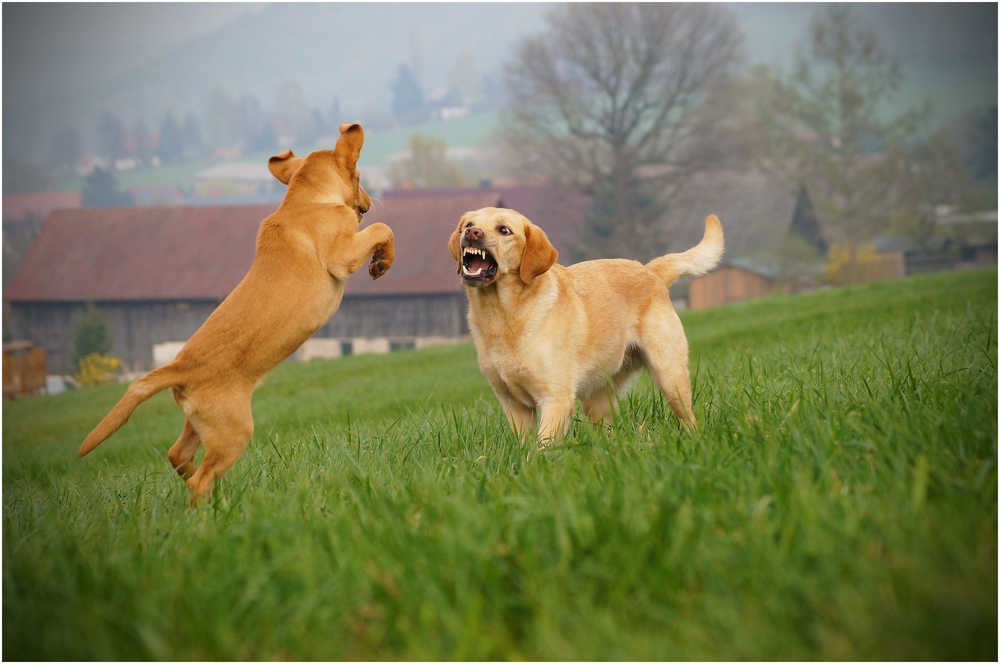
pixel 377 268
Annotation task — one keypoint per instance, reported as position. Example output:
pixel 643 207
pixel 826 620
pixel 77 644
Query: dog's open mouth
pixel 479 268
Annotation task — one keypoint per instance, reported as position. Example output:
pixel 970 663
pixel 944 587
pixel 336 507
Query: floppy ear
pixel 284 165
pixel 539 254
pixel 454 244
pixel 352 137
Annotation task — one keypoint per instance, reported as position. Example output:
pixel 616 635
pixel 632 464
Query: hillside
pixel 351 51
pixel 334 51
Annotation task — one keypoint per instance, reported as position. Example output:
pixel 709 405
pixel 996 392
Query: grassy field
pixel 839 501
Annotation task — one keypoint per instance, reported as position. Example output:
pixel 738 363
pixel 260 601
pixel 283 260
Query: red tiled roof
pixel 161 253
pixel 202 252
pixel 38 205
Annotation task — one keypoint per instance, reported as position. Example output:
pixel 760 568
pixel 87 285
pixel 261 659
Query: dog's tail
pixel 141 389
pixel 695 261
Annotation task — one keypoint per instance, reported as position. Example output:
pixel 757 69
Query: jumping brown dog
pixel 305 252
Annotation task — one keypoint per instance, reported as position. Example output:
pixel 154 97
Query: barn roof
pixel 156 253
pixel 202 252
pixel 558 210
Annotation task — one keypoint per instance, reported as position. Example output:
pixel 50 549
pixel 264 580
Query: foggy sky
pixel 54 53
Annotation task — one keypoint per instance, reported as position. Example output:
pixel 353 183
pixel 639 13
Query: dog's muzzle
pixel 479 267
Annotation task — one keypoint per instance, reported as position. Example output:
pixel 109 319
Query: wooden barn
pixel 157 273
pixel 728 283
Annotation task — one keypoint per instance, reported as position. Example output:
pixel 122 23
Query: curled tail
pixel 695 261
pixel 140 390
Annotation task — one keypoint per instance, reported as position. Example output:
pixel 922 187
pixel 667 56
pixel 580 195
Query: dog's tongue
pixel 478 264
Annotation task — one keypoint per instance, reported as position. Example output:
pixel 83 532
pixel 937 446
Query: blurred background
pixel 837 143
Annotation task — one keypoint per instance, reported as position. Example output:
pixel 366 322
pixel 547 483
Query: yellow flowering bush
pixel 839 257
pixel 97 369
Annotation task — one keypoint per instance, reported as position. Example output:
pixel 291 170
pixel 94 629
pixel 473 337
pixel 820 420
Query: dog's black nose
pixel 473 234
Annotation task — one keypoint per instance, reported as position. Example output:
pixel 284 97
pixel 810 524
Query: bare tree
pixel 608 99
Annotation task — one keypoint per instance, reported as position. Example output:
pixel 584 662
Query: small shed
pixel 728 283
pixel 24 369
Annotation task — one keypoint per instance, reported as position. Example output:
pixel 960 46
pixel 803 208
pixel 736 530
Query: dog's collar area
pixel 479 267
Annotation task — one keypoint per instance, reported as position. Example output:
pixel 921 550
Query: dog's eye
pixel 468 225
pixel 503 230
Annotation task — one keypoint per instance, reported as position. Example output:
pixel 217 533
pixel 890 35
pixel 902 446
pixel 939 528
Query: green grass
pixel 839 501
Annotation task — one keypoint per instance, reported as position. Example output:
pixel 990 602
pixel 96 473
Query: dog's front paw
pixel 381 262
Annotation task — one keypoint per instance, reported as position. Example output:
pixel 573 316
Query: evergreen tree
pixel 101 190
pixel 171 140
pixel 407 97
pixel 90 334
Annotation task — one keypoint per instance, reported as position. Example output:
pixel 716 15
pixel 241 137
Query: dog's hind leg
pixel 181 453
pixel 674 382
pixel 225 433
pixel 665 352
pixel 520 417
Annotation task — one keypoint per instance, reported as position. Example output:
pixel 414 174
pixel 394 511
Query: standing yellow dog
pixel 305 252
pixel 547 335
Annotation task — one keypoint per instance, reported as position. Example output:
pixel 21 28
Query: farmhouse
pixel 235 178
pixel 157 273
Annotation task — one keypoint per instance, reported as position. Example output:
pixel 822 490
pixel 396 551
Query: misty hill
pixel 344 52
pixel 350 52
